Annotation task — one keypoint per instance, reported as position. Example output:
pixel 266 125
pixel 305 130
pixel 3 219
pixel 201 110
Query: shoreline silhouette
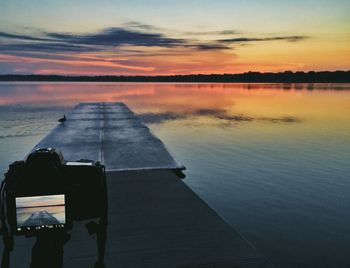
pixel 249 77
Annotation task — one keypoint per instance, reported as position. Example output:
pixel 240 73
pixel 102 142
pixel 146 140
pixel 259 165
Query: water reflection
pixel 237 102
pixel 221 115
pixel 272 159
pixel 69 93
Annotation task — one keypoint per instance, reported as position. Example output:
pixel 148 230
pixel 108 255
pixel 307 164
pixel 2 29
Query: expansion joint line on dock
pixel 102 110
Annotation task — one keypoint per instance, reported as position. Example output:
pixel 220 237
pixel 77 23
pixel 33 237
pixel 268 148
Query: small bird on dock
pixel 63 119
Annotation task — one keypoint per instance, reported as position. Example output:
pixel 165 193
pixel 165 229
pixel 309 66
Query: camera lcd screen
pixel 40 212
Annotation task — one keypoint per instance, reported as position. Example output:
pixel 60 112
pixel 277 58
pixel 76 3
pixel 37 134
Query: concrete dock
pixel 155 219
pixel 112 134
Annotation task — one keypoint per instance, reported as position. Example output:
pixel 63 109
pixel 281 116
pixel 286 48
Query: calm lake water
pixel 272 159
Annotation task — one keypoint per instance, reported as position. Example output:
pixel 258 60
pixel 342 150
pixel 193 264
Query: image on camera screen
pixel 40 212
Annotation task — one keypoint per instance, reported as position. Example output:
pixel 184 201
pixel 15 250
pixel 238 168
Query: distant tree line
pixel 252 77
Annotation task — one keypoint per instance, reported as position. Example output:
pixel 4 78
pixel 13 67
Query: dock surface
pixel 112 134
pixel 155 219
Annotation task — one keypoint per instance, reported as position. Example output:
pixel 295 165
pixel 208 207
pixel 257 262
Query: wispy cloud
pixel 132 46
pixel 223 32
pixel 107 39
pixel 142 26
pixel 23 37
pixel 118 37
pixel 131 34
pixel 293 38
pixel 46 47
pixel 210 46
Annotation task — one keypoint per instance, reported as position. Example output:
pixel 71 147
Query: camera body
pixel 45 192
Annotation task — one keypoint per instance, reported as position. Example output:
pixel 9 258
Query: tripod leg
pixel 5 261
pixel 101 237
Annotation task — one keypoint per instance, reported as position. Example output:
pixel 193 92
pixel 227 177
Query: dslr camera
pixel 45 193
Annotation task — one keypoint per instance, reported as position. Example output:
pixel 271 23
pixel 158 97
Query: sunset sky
pixel 135 37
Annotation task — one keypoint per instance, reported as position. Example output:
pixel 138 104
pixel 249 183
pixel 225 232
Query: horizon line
pixel 179 75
